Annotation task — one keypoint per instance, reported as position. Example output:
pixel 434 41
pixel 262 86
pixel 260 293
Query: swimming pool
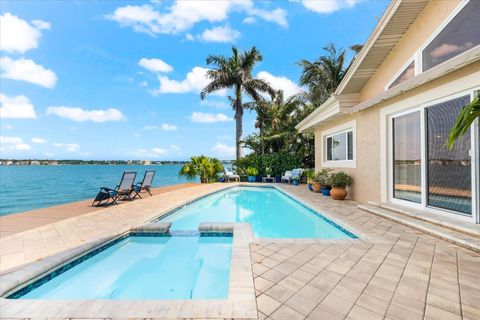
pixel 144 267
pixel 271 213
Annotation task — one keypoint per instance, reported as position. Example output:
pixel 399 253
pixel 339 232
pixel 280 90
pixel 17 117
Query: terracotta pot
pixel 316 187
pixel 338 193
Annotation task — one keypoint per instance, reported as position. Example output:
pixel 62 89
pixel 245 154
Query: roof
pixel 395 21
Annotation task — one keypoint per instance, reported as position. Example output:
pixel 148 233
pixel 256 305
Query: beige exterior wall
pixel 368 173
pixel 424 26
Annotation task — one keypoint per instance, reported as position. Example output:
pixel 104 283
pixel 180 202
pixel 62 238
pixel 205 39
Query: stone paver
pixel 394 272
pixel 391 272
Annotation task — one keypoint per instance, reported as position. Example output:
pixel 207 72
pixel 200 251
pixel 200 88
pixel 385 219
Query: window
pixel 408 73
pixel 340 146
pixel 460 35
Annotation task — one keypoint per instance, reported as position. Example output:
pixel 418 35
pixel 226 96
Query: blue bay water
pixel 26 188
pixel 271 213
pixel 144 267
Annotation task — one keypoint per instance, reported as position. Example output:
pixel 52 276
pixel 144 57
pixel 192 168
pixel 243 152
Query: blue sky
pixel 121 80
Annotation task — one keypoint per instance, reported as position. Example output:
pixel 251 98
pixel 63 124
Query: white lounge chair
pixel 286 176
pixel 229 175
pixel 289 174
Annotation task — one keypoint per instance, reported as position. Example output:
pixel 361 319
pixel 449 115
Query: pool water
pixel 271 213
pixel 147 267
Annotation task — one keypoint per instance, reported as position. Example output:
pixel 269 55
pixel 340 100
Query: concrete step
pixel 442 220
pixel 459 238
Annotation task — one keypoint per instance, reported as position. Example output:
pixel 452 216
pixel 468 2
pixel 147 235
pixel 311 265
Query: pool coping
pixel 241 301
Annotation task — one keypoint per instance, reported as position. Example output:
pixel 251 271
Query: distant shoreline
pixel 45 162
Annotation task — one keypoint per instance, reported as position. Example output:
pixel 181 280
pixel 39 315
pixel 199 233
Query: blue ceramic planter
pixel 295 182
pixel 310 187
pixel 325 191
pixel 252 178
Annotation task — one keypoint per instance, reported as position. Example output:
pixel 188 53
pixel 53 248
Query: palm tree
pixel 235 73
pixel 465 118
pixel 203 167
pixel 323 75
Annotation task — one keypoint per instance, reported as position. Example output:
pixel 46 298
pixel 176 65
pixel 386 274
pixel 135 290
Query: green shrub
pixel 340 179
pixel 324 176
pixel 277 162
pixel 251 171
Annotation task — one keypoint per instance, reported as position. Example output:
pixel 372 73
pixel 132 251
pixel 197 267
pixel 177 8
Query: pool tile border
pixel 241 302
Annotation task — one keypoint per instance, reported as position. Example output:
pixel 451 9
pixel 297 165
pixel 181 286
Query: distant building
pixel 146 162
pixel 34 163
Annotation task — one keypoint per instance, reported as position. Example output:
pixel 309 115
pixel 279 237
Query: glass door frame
pixel 474 156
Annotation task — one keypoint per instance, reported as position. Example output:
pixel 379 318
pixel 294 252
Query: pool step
pixel 459 238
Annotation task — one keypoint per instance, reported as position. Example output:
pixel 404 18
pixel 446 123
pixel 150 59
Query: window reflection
pixel 449 171
pixel 408 73
pixel 407 157
pixel 460 35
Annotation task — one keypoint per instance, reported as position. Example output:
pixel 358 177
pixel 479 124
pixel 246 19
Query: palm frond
pixel 465 118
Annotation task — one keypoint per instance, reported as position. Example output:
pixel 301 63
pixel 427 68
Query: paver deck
pixel 391 272
pixel 14 223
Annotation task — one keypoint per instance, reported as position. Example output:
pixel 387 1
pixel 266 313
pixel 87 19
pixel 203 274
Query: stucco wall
pixel 428 21
pixel 367 174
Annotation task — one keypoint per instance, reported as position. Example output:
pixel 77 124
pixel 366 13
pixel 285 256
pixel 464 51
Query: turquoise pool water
pixel 147 267
pixel 271 213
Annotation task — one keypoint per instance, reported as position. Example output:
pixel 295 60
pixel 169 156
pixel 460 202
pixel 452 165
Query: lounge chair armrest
pixel 106 189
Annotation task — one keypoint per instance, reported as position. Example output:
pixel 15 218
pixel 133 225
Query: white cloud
pixel 27 70
pixel 223 149
pixel 328 6
pixel 14 143
pixel 169 127
pixel 42 25
pixel 288 87
pixel 80 115
pixel 70 147
pixel 17 35
pixel 194 81
pixel 201 117
pixel 152 153
pixel 214 104
pixel 18 107
pixel 183 15
pixel 39 140
pixel 48 154
pixel 249 20
pixel 223 34
pixel 155 65
pixel 175 147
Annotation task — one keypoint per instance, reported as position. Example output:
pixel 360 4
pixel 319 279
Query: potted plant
pixel 316 185
pixel 251 174
pixel 295 180
pixel 339 181
pixel 309 174
pixel 268 171
pixel 325 181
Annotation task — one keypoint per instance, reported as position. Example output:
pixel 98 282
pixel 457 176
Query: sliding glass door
pixel 424 172
pixel 407 170
pixel 449 172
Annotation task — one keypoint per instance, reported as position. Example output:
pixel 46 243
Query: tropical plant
pixel 340 179
pixel 201 166
pixel 322 76
pixel 309 174
pixel 251 171
pixel 465 118
pixel 235 73
pixel 324 176
pixel 268 171
pixel 295 178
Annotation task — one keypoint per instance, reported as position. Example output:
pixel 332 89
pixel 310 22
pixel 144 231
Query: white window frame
pixel 475 156
pixel 418 54
pixel 403 68
pixel 343 128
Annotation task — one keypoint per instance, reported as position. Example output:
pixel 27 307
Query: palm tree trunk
pixel 238 121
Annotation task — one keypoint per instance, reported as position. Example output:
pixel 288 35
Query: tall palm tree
pixel 323 75
pixel 235 73
pixel 465 118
